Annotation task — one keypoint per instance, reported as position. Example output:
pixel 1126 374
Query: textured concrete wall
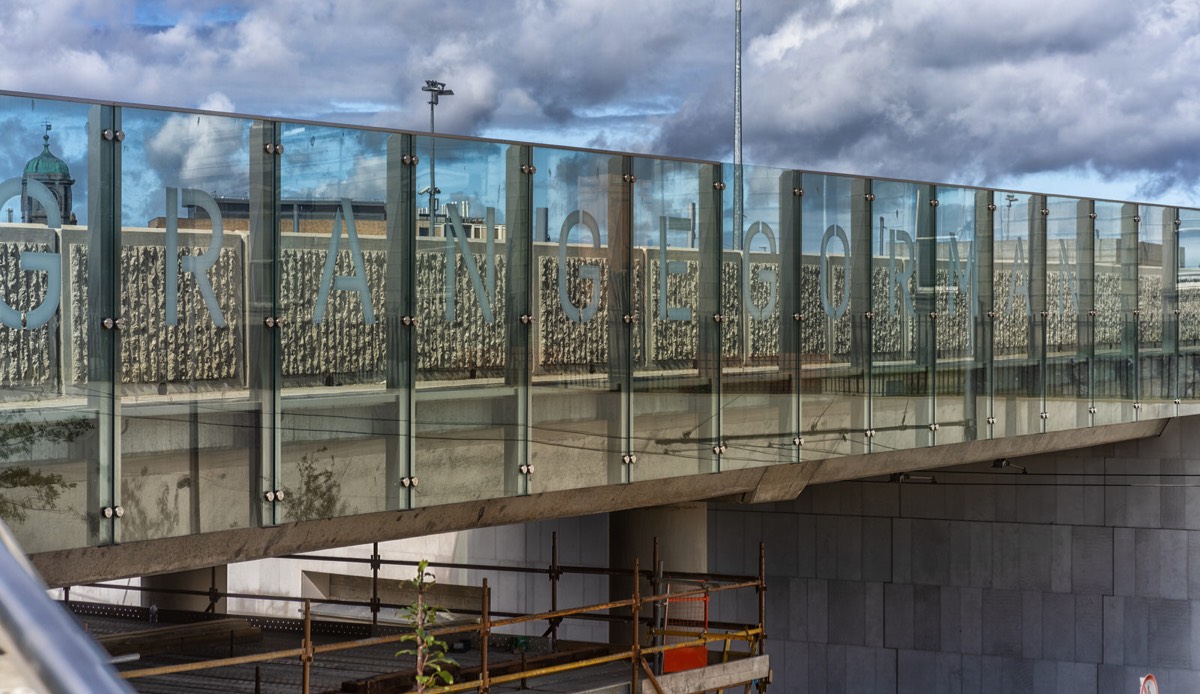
pixel 582 541
pixel 1081 576
pixel 344 349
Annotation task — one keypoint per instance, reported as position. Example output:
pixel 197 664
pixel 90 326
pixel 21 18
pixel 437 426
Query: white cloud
pixel 959 90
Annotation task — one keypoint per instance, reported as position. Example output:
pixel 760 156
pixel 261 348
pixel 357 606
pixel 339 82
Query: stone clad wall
pixel 1078 577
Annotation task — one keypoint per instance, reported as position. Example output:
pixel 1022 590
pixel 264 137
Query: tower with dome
pixel 53 173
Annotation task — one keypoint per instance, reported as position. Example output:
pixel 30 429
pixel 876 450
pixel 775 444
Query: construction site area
pixel 357 633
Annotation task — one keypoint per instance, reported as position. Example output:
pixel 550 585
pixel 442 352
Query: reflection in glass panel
pixel 1157 363
pixel 190 429
pixel 49 418
pixel 1114 326
pixel 901 300
pixel 833 296
pixel 1068 353
pixel 1188 303
pixel 467 381
pixel 958 379
pixel 336 410
pixel 674 372
pixel 579 392
pixel 758 404
pixel 1016 393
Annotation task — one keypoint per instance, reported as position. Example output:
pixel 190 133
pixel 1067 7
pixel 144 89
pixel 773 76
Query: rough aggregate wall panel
pixel 468 341
pixel 565 345
pixel 342 348
pixel 31 359
pixel 194 349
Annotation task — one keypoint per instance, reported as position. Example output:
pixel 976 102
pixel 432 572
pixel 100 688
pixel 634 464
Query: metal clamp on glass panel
pixel 629 178
pixel 870 197
pixel 1137 219
pixel 719 185
pixel 798 192
pixel 526 318
pixel 798 441
pixel 528 169
pixel 110 511
pixel 718 318
pixel 991 314
pixel 933 315
pixel 1045 415
pixel 991 420
pixel 1137 405
pixel 798 316
pixel 1045 212
pixel 409 482
pixel 933 203
pixel 409 320
pixel 629 459
pixel 991 207
pixel 719 449
pixel 409 160
pixel 870 315
pixel 933 427
pixel 630 317
pixel 1092 410
pixel 526 469
pixel 111 324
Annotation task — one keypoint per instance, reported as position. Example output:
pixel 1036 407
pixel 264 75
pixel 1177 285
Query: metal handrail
pixel 44 635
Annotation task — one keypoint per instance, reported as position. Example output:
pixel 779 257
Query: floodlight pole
pixel 436 89
pixel 738 212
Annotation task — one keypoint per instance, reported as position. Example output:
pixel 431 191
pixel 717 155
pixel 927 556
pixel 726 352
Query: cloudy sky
pixel 1085 97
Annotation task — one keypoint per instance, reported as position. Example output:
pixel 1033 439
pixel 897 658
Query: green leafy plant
pixel 432 661
pixel 41 490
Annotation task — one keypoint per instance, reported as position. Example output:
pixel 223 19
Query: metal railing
pixel 637 605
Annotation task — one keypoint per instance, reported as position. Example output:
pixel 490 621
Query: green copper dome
pixel 47 163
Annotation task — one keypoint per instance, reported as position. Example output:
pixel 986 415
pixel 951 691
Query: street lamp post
pixel 436 89
pixel 738 211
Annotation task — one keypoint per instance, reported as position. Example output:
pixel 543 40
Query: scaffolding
pixel 673 640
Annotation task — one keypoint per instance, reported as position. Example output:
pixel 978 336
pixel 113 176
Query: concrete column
pixel 682 532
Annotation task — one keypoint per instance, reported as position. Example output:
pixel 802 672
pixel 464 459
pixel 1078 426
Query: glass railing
pixel 213 322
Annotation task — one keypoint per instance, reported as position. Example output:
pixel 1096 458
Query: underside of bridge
pixel 758 485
